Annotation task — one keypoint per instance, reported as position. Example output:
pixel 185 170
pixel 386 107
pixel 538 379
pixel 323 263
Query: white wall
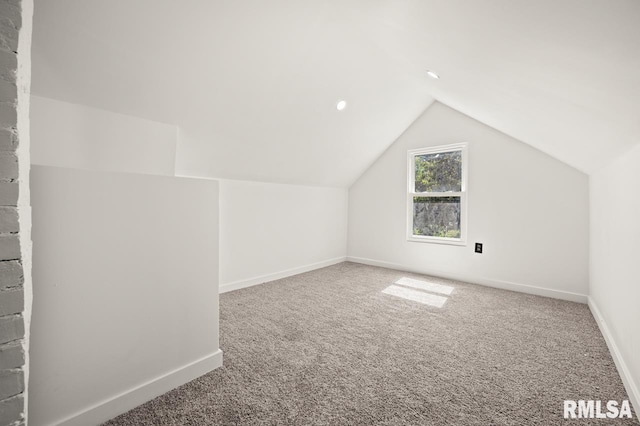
pixel 529 210
pixel 125 290
pixel 71 135
pixel 271 230
pixel 268 230
pixel 615 263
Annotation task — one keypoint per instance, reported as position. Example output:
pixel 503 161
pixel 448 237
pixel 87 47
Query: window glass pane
pixel 440 172
pixel 436 216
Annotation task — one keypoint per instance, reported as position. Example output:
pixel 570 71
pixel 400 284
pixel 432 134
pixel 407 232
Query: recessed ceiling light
pixel 341 105
pixel 432 74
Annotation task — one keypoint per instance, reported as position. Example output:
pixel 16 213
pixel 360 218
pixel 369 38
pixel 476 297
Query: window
pixel 437 197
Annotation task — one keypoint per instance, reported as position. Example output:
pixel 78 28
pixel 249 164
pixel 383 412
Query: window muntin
pixel 437 194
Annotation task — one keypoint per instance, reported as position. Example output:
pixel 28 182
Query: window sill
pixel 437 240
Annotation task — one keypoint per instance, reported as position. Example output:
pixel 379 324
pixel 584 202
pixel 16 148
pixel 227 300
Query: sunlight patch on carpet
pixel 416 296
pixel 425 285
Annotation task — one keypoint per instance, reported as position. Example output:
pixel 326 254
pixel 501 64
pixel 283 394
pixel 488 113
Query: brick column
pixel 15 213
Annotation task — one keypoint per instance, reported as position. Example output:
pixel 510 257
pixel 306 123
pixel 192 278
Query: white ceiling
pixel 253 84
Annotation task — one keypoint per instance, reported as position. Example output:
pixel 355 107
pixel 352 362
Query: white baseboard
pixel 138 395
pixel 505 285
pixel 237 285
pixel 629 384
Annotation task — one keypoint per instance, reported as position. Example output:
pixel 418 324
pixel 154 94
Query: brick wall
pixel 14 214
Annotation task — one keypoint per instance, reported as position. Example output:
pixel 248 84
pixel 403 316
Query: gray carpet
pixel 329 348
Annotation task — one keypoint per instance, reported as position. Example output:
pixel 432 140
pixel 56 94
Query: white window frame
pixel 411 154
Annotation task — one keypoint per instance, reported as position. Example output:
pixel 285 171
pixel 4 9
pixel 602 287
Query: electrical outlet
pixel 478 247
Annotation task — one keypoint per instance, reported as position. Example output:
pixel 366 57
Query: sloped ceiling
pixel 253 85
